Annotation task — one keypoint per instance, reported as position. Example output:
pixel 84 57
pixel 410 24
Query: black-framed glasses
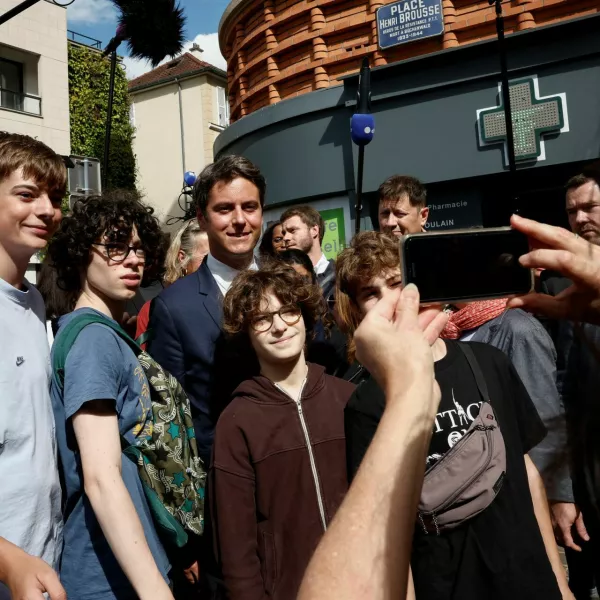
pixel 119 251
pixel 290 315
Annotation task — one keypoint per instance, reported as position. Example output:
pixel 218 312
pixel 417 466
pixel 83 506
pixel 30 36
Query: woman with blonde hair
pixel 186 252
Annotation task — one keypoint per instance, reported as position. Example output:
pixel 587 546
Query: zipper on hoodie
pixel 313 464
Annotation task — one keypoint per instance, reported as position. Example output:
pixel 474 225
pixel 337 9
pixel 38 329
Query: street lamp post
pixel 510 137
pixel 362 129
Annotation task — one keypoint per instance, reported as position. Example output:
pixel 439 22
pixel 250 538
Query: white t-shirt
pixel 30 494
pixel 224 274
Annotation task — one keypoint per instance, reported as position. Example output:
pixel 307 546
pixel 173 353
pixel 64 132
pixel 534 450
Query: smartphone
pixel 466 265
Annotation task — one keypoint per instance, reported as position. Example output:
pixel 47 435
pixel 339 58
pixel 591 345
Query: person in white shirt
pixel 304 229
pixel 186 318
pixel 33 181
pixel 186 335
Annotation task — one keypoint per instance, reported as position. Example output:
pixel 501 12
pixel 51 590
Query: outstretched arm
pixel 366 551
pixel 97 433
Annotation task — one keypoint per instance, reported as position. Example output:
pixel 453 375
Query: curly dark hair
pixel 293 256
pixel 57 301
pixel 114 214
pixel 242 302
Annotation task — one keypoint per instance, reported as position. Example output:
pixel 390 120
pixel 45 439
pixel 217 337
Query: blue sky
pixel 97 19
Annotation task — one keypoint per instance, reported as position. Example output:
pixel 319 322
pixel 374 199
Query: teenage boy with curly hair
pixel 278 465
pixel 102 253
pixel 33 182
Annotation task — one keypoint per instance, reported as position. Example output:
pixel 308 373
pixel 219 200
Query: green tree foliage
pixel 89 76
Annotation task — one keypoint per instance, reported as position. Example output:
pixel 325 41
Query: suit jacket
pixel 188 341
pixel 580 394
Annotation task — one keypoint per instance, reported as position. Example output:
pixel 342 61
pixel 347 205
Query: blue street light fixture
pixel 189 178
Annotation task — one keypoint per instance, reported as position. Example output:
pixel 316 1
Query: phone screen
pixel 466 265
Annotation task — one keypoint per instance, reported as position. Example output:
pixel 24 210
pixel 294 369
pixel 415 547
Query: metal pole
pixel 510 138
pixel 13 12
pixel 359 187
pixel 111 96
pixel 181 128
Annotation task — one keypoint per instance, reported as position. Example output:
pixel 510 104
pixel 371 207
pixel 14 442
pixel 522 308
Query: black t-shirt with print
pixel 499 554
pixel 459 405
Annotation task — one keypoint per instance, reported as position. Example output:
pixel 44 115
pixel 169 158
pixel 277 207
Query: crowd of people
pixel 286 425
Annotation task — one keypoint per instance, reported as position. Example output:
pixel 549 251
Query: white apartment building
pixel 178 110
pixel 34 78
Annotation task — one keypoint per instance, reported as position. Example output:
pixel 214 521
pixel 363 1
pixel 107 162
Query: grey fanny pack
pixel 466 480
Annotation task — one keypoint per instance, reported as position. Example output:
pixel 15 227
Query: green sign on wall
pixel 533 117
pixel 334 240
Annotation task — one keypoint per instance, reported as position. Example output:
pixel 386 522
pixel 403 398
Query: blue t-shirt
pixel 100 366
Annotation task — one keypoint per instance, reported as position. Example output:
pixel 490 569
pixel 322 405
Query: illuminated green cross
pixel 531 117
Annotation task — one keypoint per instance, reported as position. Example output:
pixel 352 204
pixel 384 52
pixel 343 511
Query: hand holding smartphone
pixel 466 265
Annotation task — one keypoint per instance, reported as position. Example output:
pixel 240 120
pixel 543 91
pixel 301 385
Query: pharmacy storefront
pixel 439 118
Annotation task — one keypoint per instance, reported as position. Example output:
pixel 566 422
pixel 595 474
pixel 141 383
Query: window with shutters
pixel 223 106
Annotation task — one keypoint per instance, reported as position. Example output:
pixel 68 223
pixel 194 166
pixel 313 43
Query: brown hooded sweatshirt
pixel 277 477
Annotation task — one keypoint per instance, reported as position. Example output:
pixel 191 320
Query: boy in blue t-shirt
pixel 102 252
pixel 33 182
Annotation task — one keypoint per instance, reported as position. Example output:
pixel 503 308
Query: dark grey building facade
pixel 429 124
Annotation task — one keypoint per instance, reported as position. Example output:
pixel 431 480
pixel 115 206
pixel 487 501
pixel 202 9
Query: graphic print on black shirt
pixel 499 554
pixel 458 409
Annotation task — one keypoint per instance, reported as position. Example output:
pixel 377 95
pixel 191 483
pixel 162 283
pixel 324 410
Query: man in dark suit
pixel 576 524
pixel 186 318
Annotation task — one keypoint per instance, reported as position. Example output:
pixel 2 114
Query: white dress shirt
pixel 224 274
pixel 321 265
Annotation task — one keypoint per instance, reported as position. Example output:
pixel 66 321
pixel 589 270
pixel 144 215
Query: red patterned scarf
pixel 471 316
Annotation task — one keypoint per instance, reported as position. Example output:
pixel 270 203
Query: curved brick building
pixel 278 49
pixel 435 90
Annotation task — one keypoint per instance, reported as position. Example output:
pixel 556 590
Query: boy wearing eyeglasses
pixel 278 464
pixel 112 551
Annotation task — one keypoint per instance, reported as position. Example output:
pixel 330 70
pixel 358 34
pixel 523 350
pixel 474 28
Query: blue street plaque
pixel 409 20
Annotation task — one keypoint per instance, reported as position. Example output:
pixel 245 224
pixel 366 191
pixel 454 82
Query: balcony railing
pixel 25 103
pixel 84 39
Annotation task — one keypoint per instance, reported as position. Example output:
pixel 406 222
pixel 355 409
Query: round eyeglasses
pixel 119 251
pixel 290 315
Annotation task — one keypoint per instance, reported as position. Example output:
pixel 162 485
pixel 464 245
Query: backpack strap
pixel 69 333
pixel 479 378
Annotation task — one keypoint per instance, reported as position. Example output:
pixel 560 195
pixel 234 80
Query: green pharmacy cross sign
pixel 532 117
